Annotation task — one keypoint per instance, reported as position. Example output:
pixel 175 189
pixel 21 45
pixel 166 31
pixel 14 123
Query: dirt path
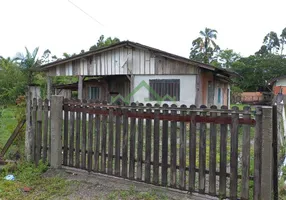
pixel 86 185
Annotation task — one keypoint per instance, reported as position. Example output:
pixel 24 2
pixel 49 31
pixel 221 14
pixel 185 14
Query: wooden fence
pixel 206 150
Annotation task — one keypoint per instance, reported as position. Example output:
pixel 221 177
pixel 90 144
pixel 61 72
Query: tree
pixel 28 63
pixel 283 40
pixel 227 57
pixel 257 70
pixel 104 42
pixel 12 81
pixel 204 47
pixel 271 44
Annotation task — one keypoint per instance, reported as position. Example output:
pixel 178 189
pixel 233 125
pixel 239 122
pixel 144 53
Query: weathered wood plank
pixel 202 155
pixel 39 131
pixel 132 143
pixel 156 146
pixel 65 138
pixel 173 178
pixel 192 150
pixel 257 154
pixel 97 140
pixel 148 146
pixel 245 156
pixel 110 142
pixel 182 152
pixel 139 146
pixel 71 137
pixel 77 139
pixel 125 144
pixel 45 129
pixel 234 154
pixel 165 133
pixel 83 139
pixel 223 155
pixel 90 140
pixel 103 141
pixel 117 142
pixel 212 159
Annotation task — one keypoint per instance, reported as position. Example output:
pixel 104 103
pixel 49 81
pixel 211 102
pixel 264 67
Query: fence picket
pixel 165 134
pixel 125 144
pixel 182 151
pixel 77 139
pixel 103 140
pixel 117 142
pixel 71 136
pixel 90 140
pixel 192 150
pixel 65 138
pixel 212 160
pixel 173 178
pixel 234 154
pixel 110 142
pixel 132 143
pixel 245 156
pixel 148 145
pixel 223 155
pixel 45 129
pixel 97 139
pixel 83 135
pixel 202 155
pixel 139 145
pixel 156 146
pixel 39 131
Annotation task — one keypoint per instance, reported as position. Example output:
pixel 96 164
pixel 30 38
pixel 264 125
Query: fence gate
pixel 215 151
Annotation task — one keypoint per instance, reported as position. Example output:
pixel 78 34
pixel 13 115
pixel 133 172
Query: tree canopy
pixel 204 47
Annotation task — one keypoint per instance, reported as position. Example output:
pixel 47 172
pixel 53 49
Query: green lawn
pixel 9 116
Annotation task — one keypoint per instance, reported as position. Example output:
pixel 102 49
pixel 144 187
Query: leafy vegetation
pixel 28 177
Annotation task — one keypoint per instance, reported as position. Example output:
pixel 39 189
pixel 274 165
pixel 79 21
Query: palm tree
pixel 204 46
pixel 28 63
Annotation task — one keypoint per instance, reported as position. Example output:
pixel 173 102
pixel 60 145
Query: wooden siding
pixel 122 61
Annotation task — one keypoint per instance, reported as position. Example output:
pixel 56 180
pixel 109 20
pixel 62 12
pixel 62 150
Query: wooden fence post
pixel 266 153
pixel 56 130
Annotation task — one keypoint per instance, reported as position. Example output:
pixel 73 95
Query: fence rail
pixel 207 150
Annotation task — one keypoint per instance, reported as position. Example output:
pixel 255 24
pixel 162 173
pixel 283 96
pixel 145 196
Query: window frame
pixel 165 87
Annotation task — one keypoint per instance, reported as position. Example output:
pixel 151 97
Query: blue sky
pixel 167 25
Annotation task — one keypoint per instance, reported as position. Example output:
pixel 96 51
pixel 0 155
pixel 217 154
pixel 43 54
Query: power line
pixel 85 13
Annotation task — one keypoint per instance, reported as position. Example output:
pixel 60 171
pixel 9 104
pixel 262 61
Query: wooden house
pixel 133 72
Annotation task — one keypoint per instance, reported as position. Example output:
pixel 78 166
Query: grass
pixel 8 122
pixel 9 117
pixel 29 176
pixel 132 194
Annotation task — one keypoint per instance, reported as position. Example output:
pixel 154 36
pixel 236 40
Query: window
pixel 219 96
pixel 94 93
pixel 168 89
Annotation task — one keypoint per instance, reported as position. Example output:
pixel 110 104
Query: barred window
pixel 94 93
pixel 168 89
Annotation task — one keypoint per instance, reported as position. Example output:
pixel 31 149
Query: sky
pixel 169 25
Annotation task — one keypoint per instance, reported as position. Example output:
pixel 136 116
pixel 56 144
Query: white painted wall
pixel 187 88
pixel 281 82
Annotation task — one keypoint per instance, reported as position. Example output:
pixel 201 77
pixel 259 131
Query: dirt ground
pixel 86 185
